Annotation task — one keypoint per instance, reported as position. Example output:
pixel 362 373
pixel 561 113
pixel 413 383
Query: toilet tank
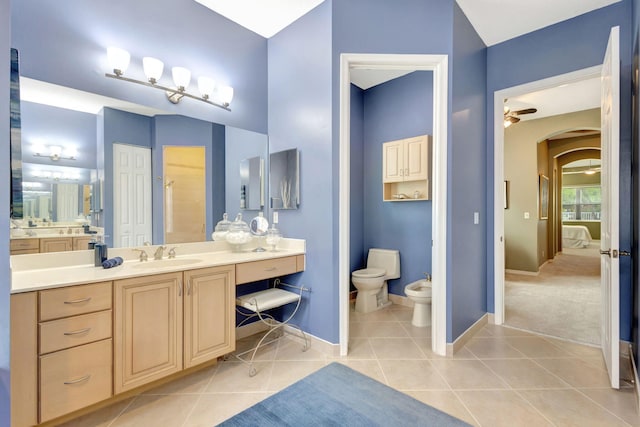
pixel 385 258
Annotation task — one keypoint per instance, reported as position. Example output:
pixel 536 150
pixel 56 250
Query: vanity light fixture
pixel 56 176
pixel 55 152
pixel 211 93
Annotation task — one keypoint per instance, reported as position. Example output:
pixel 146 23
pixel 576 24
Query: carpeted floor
pixel 563 300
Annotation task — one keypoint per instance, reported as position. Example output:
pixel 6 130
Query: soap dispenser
pixel 100 252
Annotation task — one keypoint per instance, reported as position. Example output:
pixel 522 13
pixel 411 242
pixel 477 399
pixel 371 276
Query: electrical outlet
pixel 526 215
pixel 476 218
pixel 275 217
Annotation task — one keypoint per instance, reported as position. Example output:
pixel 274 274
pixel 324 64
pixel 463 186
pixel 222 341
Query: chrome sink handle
pixel 144 256
pixel 172 253
pixel 159 252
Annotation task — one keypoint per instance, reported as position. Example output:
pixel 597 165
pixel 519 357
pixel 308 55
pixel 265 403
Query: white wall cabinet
pixel 406 169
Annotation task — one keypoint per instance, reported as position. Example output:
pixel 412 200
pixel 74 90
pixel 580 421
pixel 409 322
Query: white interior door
pixel 131 195
pixel 610 265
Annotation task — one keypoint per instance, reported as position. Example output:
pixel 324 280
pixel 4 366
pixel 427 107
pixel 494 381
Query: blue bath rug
pixel 339 396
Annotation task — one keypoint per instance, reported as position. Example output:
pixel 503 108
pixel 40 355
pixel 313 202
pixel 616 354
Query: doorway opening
pixel 438 64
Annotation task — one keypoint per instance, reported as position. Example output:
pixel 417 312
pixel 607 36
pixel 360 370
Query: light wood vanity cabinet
pixel 24 246
pixel 147 329
pixel 75 348
pixel 209 315
pixel 56 244
pixel 82 243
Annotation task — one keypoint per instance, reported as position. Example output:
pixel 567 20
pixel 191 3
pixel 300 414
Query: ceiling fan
pixel 511 117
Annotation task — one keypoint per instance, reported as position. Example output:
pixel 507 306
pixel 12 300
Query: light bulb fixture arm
pixel 174 95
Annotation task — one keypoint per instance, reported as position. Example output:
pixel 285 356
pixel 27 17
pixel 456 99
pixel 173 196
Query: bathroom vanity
pixel 82 335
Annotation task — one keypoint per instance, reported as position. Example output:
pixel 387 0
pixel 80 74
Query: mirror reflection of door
pixel 184 194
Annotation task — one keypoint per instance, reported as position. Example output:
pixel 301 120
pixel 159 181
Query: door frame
pixel 438 64
pixel 498 173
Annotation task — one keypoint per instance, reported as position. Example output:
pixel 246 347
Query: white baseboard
pixel 636 382
pixel 522 272
pixel 467 335
pixel 245 331
pixel 332 350
pixel 401 300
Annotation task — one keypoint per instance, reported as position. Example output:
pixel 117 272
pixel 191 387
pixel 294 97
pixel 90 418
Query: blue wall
pixel 300 117
pixel 357 257
pixel 561 48
pixel 69 48
pixel 398 109
pixel 635 173
pixel 467 259
pixel 5 276
pixel 57 126
pixel 242 144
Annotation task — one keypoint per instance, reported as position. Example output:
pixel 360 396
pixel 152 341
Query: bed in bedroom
pixel 575 236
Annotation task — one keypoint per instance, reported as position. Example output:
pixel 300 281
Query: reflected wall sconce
pixel 56 176
pixel 211 93
pixel 55 152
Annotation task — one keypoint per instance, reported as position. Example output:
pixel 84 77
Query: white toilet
pixel 371 282
pixel 420 293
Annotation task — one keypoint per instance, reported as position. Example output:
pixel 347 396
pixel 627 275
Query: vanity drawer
pixel 25 244
pixel 266 269
pixel 75 378
pixel 74 300
pixel 74 331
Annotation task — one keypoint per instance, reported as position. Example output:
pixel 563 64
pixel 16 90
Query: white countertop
pixel 43 271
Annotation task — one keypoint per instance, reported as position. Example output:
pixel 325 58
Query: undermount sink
pixel 168 262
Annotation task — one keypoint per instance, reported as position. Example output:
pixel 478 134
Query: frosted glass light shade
pixel 225 94
pixel 118 59
pixel 152 68
pixel 181 77
pixel 206 86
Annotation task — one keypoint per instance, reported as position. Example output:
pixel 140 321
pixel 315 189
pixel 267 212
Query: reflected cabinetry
pixel 405 169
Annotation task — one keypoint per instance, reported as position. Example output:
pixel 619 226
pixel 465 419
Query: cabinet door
pixel 147 329
pixel 416 163
pixel 393 161
pixel 209 315
pixel 81 243
pixel 56 244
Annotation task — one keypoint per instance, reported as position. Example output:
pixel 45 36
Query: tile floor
pixel 502 377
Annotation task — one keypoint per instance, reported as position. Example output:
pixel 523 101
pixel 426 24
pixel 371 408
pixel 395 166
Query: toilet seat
pixel 369 273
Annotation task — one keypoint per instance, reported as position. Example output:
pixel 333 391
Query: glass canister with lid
pixel 222 228
pixel 238 234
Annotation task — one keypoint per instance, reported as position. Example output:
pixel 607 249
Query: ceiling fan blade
pixel 525 111
pixel 512 119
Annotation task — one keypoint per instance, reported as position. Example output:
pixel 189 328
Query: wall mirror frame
pixel 284 179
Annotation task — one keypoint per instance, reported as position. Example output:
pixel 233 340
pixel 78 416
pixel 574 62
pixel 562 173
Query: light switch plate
pixel 526 215
pixel 476 218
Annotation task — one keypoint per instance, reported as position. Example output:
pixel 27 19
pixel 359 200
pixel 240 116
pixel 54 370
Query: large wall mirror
pixel 70 188
pixel 252 183
pixel 284 179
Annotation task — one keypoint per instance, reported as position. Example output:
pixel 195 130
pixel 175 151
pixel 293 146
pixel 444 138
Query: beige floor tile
pixel 374 316
pixel 358 330
pixel 404 314
pixel 524 374
pixel 289 349
pixel 506 408
pixel 370 368
pixel 193 383
pixel 576 372
pixel 359 348
pixel 166 411
pixel 264 353
pixel 446 401
pixel 234 376
pixel 212 409
pixel 575 349
pixel 570 408
pixel 621 402
pixel 536 347
pixel 286 373
pixel 412 375
pixel 416 332
pixel 467 374
pixel 492 348
pixel 396 348
pixel 100 418
pixel 384 330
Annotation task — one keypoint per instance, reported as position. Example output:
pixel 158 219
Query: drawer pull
pixel 78 301
pixel 79 380
pixel 271 269
pixel 78 332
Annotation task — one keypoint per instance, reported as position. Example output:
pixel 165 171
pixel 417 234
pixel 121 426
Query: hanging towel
pixel 112 262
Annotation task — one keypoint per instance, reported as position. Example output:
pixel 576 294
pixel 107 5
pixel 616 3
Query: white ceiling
pixel 500 20
pixel 265 17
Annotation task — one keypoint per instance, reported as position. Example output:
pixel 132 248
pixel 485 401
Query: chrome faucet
pixel 172 253
pixel 427 277
pixel 143 254
pixel 159 252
